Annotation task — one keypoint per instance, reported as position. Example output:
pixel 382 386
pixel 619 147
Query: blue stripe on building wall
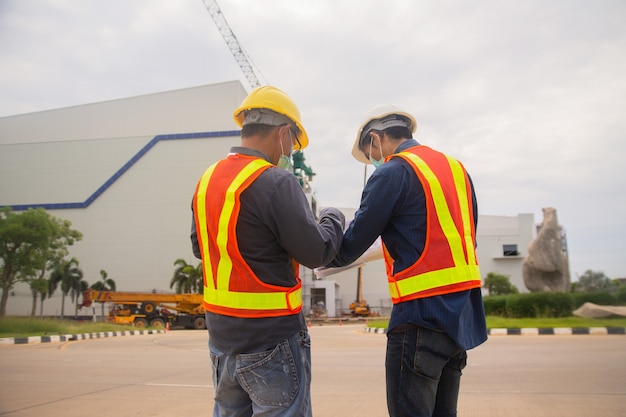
pixel 123 169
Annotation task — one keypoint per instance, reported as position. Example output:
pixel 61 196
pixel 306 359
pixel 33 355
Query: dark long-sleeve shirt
pixel 275 225
pixel 393 206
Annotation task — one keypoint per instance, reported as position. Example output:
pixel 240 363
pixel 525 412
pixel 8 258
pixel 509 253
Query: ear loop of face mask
pixel 380 161
pixel 284 161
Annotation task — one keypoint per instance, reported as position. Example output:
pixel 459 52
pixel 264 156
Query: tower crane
pixel 300 169
pixel 232 42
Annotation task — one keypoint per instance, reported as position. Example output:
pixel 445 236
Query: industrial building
pixel 124 171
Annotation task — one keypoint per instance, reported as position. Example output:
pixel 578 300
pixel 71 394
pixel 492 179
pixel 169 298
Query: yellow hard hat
pixel 381 117
pixel 271 98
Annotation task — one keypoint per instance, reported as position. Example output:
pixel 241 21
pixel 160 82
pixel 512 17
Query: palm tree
pixel 187 278
pixel 106 284
pixel 78 287
pixel 69 276
pixel 39 287
pixel 52 285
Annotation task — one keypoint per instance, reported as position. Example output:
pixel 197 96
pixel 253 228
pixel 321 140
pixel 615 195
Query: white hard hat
pixel 381 117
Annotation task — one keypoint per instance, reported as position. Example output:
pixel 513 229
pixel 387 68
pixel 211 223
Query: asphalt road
pixel 169 375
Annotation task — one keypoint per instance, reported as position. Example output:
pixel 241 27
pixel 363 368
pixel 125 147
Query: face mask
pixel 284 162
pixel 376 162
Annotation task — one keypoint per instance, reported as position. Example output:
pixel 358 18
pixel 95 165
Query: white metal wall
pixel 494 232
pixel 139 225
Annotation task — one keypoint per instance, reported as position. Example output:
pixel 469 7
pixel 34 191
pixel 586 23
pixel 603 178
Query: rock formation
pixel 594 311
pixel 546 268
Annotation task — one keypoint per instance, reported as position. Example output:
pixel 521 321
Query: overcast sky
pixel 529 95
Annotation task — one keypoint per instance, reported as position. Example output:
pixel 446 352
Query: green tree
pixel 499 284
pixel 39 288
pixel 52 286
pixel 592 281
pixel 37 282
pixel 76 291
pixel 70 277
pixel 105 284
pixel 30 243
pixel 187 278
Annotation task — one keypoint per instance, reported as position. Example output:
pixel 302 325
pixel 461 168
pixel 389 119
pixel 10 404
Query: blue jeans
pixel 274 383
pixel 423 371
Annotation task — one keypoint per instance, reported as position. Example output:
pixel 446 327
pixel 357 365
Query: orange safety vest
pixel 230 286
pixel 448 263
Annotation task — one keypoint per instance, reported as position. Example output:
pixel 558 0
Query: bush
pixel 600 298
pixel 621 295
pixel 547 304
pixel 495 305
pixel 540 304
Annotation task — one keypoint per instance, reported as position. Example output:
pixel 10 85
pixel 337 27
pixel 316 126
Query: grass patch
pixel 30 326
pixel 378 324
pixel 494 322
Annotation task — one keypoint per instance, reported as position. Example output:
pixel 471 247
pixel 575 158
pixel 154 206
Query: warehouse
pixel 124 171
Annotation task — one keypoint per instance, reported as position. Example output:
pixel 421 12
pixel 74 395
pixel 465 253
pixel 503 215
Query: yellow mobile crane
pixel 156 310
pixel 360 307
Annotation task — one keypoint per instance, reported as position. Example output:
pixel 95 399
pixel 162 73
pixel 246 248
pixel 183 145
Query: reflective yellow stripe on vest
pixel 254 301
pixel 225 266
pixel 462 271
pixel 202 230
pixel 461 186
pixel 221 294
pixel 434 279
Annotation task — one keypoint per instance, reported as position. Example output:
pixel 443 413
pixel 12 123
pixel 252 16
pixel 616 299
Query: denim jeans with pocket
pixel 274 383
pixel 423 371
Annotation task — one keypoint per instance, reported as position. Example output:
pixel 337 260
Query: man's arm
pixel 310 243
pixel 195 246
pixel 378 202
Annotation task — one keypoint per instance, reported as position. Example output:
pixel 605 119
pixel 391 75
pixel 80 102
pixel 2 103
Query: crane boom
pixel 231 41
pixel 300 168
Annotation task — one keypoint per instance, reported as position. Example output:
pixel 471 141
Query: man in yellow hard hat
pixel 252 227
pixel 423 206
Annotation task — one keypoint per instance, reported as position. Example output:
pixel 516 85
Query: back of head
pixel 267 105
pixel 381 118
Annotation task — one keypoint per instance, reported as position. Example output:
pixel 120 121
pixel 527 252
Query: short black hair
pixel 395 132
pixel 399 132
pixel 256 129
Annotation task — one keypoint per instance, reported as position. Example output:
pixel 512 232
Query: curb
pixel 73 337
pixel 558 331
pixel 540 331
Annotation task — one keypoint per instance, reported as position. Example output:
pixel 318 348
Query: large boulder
pixel 594 311
pixel 546 268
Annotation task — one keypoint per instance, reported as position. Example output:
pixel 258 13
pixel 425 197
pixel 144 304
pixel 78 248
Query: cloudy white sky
pixel 530 95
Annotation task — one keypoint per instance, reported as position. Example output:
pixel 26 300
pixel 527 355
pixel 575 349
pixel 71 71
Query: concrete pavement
pixel 168 374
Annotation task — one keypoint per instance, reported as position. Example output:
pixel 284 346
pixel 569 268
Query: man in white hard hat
pixel 423 206
pixel 252 227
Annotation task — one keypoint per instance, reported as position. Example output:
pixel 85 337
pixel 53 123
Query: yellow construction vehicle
pixel 359 307
pixel 156 310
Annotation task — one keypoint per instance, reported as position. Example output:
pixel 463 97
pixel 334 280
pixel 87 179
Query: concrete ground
pixel 169 375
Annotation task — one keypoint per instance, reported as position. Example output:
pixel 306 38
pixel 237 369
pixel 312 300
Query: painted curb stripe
pixel 540 331
pixel 73 337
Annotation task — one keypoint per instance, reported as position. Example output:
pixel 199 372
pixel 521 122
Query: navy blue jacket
pixel 275 225
pixel 393 206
